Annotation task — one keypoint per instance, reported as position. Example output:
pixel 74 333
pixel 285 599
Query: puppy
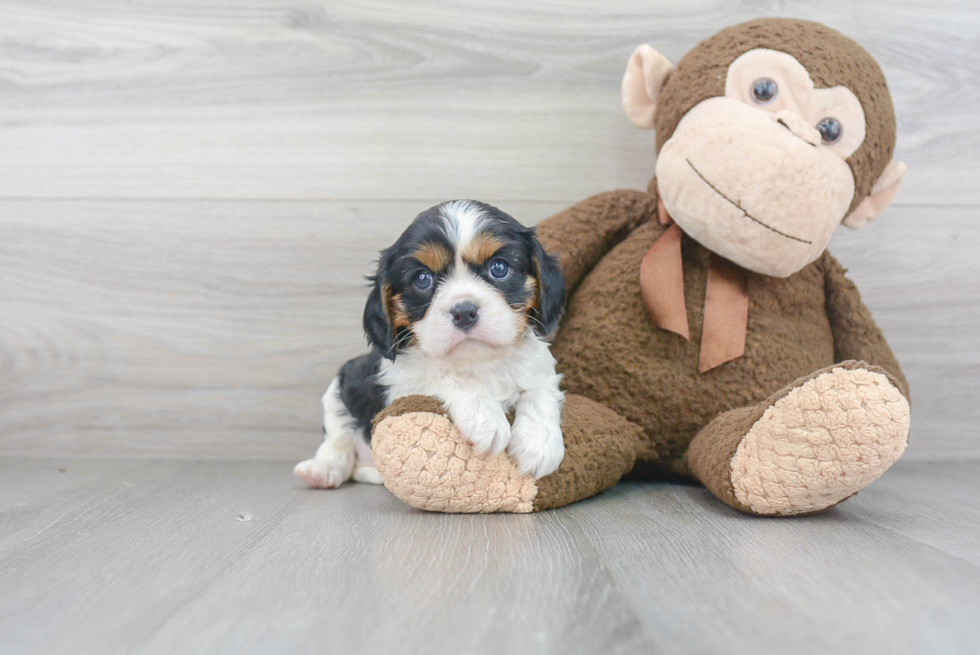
pixel 460 309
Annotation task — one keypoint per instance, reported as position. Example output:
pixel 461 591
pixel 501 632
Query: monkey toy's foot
pixel 425 461
pixel 811 446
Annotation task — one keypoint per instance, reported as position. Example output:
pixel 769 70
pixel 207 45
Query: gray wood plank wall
pixel 191 192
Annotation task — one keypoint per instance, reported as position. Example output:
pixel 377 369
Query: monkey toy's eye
pixel 422 280
pixel 764 91
pixel 830 130
pixel 499 269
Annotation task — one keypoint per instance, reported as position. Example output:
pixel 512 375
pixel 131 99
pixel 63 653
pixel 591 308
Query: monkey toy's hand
pixel 425 460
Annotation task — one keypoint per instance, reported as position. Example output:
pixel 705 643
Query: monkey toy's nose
pixel 464 315
pixel 797 126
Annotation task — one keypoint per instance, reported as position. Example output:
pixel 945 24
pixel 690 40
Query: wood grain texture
pixel 334 100
pixel 191 192
pixel 210 329
pixel 839 581
pixel 199 329
pixel 144 557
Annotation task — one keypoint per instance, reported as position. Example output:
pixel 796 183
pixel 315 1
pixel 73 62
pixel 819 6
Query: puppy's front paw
pixel 483 423
pixel 536 446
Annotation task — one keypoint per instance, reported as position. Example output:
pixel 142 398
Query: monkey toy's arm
pixel 856 336
pixel 583 233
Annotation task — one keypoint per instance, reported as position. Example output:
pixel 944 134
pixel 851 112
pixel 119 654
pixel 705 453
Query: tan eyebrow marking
pixel 433 256
pixel 481 248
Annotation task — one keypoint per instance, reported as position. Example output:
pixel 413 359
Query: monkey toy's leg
pixel 425 462
pixel 809 446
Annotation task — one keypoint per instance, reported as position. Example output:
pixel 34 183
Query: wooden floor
pixel 127 556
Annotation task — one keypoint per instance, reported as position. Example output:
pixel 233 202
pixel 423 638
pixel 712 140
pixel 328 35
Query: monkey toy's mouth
pixel 738 206
pixel 748 189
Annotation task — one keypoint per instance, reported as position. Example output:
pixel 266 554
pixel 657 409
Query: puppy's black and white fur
pixel 460 309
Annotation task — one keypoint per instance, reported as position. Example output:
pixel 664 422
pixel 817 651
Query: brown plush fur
pixel 408 405
pixel 609 350
pixel 831 58
pixel 600 447
pixel 710 454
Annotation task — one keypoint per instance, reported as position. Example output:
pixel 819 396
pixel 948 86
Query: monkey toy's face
pixel 762 162
pixel 762 169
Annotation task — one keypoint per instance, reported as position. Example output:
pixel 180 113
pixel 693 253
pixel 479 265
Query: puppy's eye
pixel 498 269
pixel 764 91
pixel 422 280
pixel 830 130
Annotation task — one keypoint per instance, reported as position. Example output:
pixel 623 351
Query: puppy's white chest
pixel 411 375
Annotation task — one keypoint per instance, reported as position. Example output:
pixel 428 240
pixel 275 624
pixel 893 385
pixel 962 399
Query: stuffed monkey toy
pixel 708 332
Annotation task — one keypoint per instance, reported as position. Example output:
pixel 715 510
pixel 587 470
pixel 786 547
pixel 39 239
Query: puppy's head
pixel 465 282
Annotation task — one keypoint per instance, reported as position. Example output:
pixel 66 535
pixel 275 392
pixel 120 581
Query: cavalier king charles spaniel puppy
pixel 461 305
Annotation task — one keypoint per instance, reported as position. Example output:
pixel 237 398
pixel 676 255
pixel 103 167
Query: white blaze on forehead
pixel 463 220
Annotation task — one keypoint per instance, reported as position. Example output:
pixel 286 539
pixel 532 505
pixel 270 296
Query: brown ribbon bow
pixel 726 300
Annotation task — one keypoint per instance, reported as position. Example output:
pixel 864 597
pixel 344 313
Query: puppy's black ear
pixel 551 287
pixel 377 323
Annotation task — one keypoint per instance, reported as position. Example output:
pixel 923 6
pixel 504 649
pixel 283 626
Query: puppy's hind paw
pixel 367 474
pixel 324 473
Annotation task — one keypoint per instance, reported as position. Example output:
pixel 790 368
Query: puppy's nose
pixel 464 315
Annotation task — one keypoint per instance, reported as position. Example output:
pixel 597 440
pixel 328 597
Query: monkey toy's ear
pixel 646 73
pixel 882 194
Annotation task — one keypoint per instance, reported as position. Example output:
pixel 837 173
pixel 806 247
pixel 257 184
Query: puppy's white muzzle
pixel 467 311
